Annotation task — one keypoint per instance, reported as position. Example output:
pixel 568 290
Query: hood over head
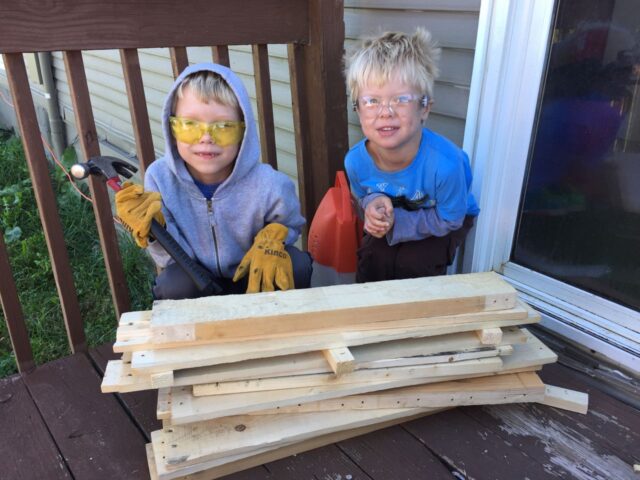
pixel 249 153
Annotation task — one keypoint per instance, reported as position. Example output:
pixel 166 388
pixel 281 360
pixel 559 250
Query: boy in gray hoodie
pixel 229 212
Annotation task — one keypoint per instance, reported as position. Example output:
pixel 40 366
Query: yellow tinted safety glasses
pixel 223 133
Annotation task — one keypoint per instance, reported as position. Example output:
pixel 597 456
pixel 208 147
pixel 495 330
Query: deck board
pixel 94 434
pixel 608 420
pixel 59 425
pixel 27 450
pixel 327 462
pixel 472 449
pixel 141 405
pixel 394 453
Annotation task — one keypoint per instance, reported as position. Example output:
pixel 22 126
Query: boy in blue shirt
pixel 229 212
pixel 413 184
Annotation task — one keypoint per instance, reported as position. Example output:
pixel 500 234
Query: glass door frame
pixel 509 64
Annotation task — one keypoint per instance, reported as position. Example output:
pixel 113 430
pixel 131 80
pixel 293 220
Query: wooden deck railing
pixel 313 31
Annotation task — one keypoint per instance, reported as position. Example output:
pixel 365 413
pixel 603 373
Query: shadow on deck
pixel 57 424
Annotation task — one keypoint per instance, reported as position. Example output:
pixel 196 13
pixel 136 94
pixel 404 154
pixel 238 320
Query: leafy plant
pixel 32 269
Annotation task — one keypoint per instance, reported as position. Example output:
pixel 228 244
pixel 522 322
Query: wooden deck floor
pixel 56 424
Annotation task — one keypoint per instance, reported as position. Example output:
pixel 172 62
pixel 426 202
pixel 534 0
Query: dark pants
pixel 377 260
pixel 173 283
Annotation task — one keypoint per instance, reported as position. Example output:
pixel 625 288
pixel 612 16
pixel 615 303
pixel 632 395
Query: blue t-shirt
pixel 207 189
pixel 438 177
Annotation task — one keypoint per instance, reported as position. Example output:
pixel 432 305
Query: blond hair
pixel 207 86
pixel 410 58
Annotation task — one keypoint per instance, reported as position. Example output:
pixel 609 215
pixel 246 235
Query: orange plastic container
pixel 336 231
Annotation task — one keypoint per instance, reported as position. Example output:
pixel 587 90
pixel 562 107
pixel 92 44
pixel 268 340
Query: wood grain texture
pixel 90 147
pixel 13 313
pixel 26 445
pixel 268 313
pixel 45 198
pixel 90 428
pixel 32 26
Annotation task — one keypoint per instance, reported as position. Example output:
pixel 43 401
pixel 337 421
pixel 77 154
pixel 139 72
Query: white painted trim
pixel 603 345
pixel 514 63
pixel 592 308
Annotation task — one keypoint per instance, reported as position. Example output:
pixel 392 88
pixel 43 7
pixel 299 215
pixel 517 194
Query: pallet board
pixel 231 438
pixel 135 334
pixel 496 389
pixel 218 468
pixel 200 320
pixel 158 361
pixel 120 377
pixel 185 408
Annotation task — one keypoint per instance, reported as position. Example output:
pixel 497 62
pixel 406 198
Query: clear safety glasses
pixel 223 133
pixel 399 104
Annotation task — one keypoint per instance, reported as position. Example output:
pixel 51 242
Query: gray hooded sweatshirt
pixel 218 232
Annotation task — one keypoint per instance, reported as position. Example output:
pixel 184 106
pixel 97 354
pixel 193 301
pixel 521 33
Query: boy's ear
pixel 425 111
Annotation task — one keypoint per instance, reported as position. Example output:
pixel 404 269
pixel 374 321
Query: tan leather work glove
pixel 267 262
pixel 136 208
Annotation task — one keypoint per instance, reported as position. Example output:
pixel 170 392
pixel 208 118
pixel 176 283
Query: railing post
pixel 39 171
pixel 13 313
pixel 318 81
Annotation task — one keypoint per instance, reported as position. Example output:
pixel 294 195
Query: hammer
pixel 111 168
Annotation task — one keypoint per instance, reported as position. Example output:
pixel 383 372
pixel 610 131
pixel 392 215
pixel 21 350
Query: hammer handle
pixel 198 275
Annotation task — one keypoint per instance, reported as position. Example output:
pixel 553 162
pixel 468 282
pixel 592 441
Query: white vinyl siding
pixel 453 24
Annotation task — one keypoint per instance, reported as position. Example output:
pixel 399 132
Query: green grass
pixel 31 266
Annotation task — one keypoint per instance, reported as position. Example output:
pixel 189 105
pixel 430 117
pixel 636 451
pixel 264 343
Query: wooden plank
pixel 27 450
pixel 230 436
pixel 220 54
pixel 88 139
pixel 13 313
pixel 164 403
pixel 179 60
pixel 120 377
pixel 45 198
pixel 490 336
pixel 565 399
pixel 368 375
pixel 161 380
pixel 493 390
pixel 191 321
pixel 138 107
pixel 301 125
pixel 186 408
pixel 340 360
pixel 97 25
pixel 260 55
pixel 91 429
pixel 319 102
pixel 213 469
pixel 139 340
pixel 149 361
pixel 140 405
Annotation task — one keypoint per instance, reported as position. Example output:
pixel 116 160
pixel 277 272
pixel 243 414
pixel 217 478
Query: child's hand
pixel 378 217
pixel 136 208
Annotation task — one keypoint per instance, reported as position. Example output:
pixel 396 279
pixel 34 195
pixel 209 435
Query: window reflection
pixel 580 213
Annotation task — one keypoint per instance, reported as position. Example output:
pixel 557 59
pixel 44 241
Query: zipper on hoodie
pixel 215 239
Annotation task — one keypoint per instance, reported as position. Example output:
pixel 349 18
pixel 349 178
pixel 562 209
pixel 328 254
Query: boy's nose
pixel 384 108
pixel 207 138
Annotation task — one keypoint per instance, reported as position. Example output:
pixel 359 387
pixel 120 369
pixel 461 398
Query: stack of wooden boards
pixel 247 379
